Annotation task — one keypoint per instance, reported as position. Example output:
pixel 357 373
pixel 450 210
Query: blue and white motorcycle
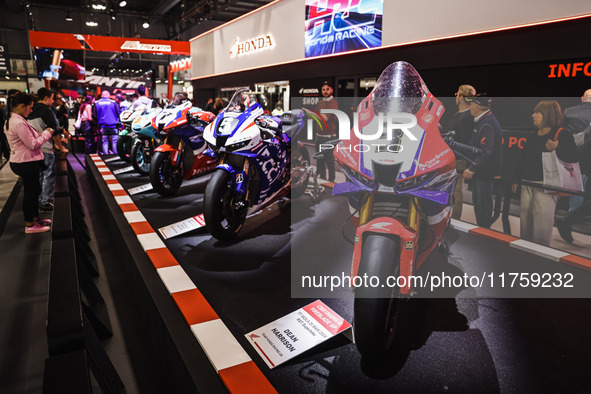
pixel 255 163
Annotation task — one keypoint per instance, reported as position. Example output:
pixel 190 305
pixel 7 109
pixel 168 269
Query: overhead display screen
pixel 334 26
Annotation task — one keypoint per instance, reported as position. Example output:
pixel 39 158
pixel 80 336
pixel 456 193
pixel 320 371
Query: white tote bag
pixel 78 122
pixel 560 174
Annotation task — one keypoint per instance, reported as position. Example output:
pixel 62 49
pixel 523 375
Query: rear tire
pixel 165 178
pixel 222 218
pixel 375 309
pixel 139 159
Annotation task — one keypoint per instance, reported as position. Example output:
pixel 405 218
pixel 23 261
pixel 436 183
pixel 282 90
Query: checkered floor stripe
pixel 236 369
pixel 526 246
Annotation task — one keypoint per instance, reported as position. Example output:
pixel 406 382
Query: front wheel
pixel 139 159
pixel 224 208
pixel 376 308
pixel 124 147
pixel 299 172
pixel 165 177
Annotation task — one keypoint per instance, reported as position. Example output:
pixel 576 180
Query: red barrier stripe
pixel 577 261
pixel 161 258
pixel 111 181
pixel 194 307
pixel 128 207
pixel 494 235
pixel 117 193
pixel 246 378
pixel 141 228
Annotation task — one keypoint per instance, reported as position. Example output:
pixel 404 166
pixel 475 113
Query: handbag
pixel 559 173
pixel 78 122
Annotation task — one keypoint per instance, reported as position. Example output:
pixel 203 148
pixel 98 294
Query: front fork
pixel 388 226
pixel 240 179
pixel 176 157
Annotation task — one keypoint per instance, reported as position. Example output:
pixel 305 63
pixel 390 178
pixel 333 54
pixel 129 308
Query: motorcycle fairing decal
pixel 241 181
pixel 226 167
pixel 165 148
pixel 253 111
pixel 389 227
pixel 346 189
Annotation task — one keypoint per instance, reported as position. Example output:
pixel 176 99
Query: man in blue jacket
pixel 487 136
pixel 107 113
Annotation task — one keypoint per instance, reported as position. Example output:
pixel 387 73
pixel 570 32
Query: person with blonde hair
pixel 537 205
pixel 463 125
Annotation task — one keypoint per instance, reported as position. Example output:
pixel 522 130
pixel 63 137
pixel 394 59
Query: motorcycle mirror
pixel 266 134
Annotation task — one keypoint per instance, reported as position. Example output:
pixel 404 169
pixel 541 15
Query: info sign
pixel 293 334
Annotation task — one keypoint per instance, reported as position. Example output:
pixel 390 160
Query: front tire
pixel 376 308
pixel 224 209
pixel 164 176
pixel 124 147
pixel 299 158
pixel 139 159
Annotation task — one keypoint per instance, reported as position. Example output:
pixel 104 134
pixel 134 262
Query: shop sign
pixel 250 46
pixel 113 82
pixel 138 46
pixel 180 65
pixel 295 333
pixel 563 70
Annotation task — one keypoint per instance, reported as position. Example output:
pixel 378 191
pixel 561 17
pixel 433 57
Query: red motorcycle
pixel 400 183
pixel 181 156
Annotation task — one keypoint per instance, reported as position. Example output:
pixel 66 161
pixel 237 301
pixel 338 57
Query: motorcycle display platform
pixel 464 345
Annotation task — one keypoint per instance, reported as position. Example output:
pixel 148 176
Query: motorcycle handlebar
pixel 463 148
pixel 265 125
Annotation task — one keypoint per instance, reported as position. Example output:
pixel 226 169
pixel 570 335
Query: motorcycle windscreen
pixel 388 123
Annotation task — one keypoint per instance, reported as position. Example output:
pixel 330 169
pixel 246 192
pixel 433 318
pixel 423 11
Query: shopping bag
pixel 78 122
pixel 561 174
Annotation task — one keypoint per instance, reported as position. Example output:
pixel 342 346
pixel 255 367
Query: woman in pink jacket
pixel 26 158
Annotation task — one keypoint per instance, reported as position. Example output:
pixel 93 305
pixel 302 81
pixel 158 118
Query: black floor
pixel 460 344
pixel 24 275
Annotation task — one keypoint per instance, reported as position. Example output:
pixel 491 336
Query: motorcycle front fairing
pixel 234 132
pixel 424 164
pixel 413 161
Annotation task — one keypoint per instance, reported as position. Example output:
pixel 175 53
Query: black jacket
pixel 529 165
pixel 576 119
pixel 487 136
pixel 42 117
pixel 463 124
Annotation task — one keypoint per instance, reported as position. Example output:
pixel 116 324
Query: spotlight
pixel 122 3
pixel 145 25
pixel 99 6
pixel 68 16
pixel 91 23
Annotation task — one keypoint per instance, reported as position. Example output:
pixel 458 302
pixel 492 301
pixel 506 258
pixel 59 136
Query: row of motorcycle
pixel 249 152
pixel 400 178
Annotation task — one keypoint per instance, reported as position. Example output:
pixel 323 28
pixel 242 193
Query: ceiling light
pixel 146 25
pixel 122 3
pixel 100 7
pixel 68 16
pixel 91 23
